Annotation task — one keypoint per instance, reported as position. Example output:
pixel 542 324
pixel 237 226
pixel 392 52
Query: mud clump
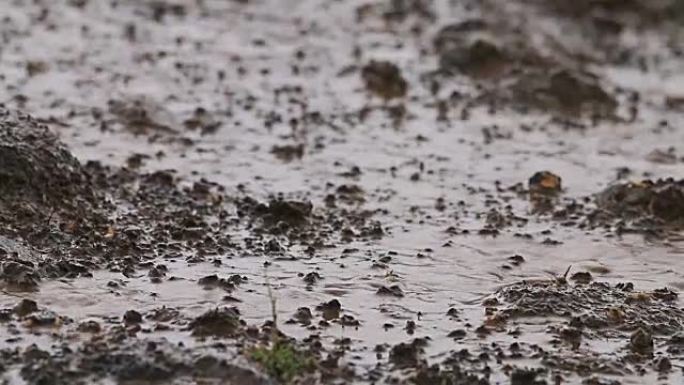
pixel 330 310
pixel 641 342
pixel 482 58
pixel 39 179
pixel 303 316
pixel 130 361
pixel 661 200
pixel 566 91
pixel 391 291
pixel 509 69
pixel 25 307
pixel 637 323
pixel 223 322
pixel 408 355
pixel 213 281
pixel 468 48
pixel 596 305
pixel 132 317
pixel 302 222
pixel 451 373
pixel 311 278
pixel 288 152
pixel 19 275
pixel 291 212
pixel 526 377
pixel 384 79
pixel 140 116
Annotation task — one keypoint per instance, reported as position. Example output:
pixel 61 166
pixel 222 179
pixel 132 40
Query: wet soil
pixel 397 191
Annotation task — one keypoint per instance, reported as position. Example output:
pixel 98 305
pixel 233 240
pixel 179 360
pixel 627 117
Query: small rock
pixel 545 182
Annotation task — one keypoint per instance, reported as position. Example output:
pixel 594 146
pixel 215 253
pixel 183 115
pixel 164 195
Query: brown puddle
pixel 413 178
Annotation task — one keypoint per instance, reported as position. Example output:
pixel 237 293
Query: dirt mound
pixel 595 306
pixel 510 70
pixel 62 218
pixel 132 360
pixel 38 176
pixel 661 200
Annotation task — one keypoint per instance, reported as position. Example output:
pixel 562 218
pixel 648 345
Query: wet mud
pixel 341 192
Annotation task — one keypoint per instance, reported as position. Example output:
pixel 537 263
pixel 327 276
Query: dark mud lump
pixel 661 199
pixel 37 172
pixel 384 79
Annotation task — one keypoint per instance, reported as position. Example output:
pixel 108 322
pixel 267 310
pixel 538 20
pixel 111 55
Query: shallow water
pixel 174 64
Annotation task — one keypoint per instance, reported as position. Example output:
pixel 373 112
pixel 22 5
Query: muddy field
pixel 341 192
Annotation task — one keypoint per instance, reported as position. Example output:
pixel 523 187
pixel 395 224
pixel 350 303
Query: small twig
pixel 52 212
pixel 565 276
pixel 274 313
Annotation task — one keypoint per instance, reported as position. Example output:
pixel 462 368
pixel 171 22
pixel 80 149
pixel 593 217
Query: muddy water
pixel 275 73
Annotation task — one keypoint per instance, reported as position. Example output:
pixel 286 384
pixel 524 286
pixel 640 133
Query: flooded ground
pixel 415 191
